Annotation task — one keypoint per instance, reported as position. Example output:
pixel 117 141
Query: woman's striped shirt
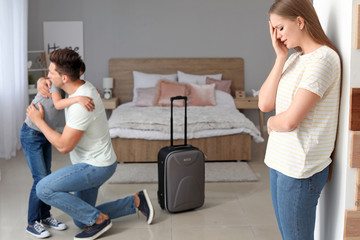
pixel 306 150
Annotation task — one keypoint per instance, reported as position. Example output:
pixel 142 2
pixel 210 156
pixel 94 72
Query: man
pixel 86 137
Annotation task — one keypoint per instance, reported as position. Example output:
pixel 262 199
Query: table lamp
pixel 108 85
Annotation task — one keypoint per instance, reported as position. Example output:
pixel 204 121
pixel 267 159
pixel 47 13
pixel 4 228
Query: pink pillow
pixel 145 96
pixel 202 95
pixel 222 85
pixel 168 89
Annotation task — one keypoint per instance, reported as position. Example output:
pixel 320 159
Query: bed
pixel 137 148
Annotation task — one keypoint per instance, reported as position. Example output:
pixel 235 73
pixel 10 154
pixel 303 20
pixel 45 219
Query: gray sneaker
pixel 38 230
pixel 53 223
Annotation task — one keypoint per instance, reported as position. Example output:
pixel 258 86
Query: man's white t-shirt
pixel 95 146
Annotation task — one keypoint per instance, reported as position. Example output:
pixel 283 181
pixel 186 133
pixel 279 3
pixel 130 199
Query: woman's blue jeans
pixel 84 181
pixel 37 150
pixel 295 202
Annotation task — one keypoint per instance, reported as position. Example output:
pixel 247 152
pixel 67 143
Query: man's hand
pixel 43 87
pixel 33 114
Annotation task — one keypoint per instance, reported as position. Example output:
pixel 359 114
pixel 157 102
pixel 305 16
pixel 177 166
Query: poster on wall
pixel 64 34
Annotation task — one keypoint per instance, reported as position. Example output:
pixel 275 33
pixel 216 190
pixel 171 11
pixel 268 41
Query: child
pixel 37 150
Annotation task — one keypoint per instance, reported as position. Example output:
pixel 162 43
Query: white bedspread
pixel 154 122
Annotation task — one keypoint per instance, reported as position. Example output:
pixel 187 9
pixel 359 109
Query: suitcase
pixel 181 173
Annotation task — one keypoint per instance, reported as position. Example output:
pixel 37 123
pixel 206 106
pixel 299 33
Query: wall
pixel 336 17
pixel 164 28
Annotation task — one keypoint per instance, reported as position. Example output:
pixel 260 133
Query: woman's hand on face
pixel 280 49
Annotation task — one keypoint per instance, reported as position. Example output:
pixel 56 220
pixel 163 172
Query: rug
pixel 214 172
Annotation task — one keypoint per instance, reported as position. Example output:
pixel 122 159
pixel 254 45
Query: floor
pixel 237 210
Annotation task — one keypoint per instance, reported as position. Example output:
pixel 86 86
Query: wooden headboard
pixel 121 70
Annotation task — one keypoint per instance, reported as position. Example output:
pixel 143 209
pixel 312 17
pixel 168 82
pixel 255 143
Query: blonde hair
pixel 292 9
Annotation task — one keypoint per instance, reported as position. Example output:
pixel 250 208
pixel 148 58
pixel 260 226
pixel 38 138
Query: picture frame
pixel 64 34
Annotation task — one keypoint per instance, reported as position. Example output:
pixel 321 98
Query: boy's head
pixel 82 68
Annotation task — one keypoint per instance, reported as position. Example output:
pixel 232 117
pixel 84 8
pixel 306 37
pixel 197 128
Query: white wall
pixel 336 17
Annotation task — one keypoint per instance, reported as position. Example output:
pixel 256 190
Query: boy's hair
pixel 82 68
pixel 67 62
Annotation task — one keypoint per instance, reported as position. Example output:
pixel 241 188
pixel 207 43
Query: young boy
pixel 37 150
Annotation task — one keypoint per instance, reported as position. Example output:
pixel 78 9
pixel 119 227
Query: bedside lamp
pixel 108 85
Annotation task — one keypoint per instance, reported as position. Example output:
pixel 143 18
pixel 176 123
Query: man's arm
pixel 64 142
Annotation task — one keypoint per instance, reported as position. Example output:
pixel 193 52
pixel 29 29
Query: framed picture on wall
pixel 63 34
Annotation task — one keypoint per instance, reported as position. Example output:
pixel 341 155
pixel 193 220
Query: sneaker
pixel 145 206
pixel 53 223
pixel 38 230
pixel 94 231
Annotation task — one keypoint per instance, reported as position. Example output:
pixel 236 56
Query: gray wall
pixel 163 28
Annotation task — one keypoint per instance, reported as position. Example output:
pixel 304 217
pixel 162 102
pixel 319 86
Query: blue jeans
pixel 37 150
pixel 295 202
pixel 84 180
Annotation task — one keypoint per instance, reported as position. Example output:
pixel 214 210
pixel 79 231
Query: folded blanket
pixel 199 119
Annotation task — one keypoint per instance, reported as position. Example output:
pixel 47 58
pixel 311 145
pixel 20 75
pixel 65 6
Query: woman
pixel 304 90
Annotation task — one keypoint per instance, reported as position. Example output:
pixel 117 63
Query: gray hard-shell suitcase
pixel 181 173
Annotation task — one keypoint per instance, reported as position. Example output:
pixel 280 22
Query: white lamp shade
pixel 108 82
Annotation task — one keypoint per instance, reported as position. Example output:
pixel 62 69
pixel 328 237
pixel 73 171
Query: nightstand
pixel 110 104
pixel 251 103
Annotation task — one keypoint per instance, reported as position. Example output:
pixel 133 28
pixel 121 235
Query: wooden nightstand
pixel 251 103
pixel 110 104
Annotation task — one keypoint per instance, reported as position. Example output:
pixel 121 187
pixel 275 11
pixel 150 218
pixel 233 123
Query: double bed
pixel 217 128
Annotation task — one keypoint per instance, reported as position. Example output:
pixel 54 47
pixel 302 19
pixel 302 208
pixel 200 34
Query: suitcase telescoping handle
pixel 171 119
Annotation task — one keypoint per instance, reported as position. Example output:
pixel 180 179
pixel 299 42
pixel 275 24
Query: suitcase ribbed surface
pixel 181 173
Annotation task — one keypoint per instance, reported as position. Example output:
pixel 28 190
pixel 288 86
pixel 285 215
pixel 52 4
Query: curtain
pixel 13 74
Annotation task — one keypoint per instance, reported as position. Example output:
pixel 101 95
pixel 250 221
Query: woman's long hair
pixel 304 8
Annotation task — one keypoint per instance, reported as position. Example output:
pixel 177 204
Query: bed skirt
pixel 221 148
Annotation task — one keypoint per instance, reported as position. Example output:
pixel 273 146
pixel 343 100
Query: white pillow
pixel 224 99
pixel 147 80
pixel 196 79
